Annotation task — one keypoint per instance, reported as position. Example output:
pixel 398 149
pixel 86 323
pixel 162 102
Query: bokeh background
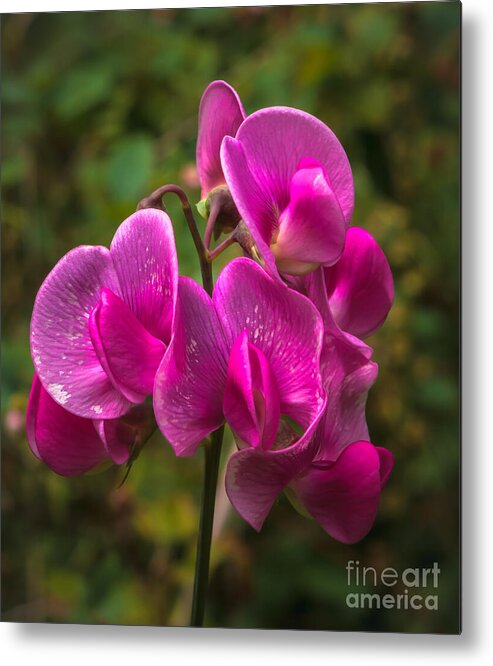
pixel 98 109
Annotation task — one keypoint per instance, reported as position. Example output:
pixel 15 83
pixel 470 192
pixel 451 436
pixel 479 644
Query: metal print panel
pixel 230 269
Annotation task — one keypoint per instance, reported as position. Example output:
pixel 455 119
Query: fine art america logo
pixel 411 589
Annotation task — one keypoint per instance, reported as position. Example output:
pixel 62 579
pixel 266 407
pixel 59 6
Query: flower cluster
pixel 121 343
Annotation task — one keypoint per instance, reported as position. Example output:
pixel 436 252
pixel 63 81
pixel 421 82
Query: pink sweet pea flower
pixel 338 491
pixel 102 319
pixel 341 484
pixel 249 356
pixel 292 184
pixel 289 177
pixel 71 445
pixel 220 114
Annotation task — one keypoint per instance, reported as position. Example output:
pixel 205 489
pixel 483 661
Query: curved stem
pixel 212 452
pixel 154 200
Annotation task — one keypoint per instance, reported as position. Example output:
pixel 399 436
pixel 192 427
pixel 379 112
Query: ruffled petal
pixel 312 228
pixel 261 160
pixel 360 286
pixel 283 325
pixel 343 498
pixel 61 347
pixel 67 443
pixel 255 477
pixel 144 256
pixel 251 398
pixel 189 385
pixel 220 114
pixel 127 352
pixel 252 200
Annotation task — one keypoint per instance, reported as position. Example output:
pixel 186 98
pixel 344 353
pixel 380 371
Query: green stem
pixel 212 452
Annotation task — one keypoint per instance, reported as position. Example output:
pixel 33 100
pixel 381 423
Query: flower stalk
pixel 212 452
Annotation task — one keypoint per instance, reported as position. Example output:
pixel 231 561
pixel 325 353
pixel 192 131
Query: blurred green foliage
pixel 100 108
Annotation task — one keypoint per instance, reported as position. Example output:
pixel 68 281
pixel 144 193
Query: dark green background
pixel 100 108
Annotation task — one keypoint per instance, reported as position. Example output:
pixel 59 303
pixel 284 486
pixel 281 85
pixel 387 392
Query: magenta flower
pixel 71 445
pixel 287 173
pixel 220 114
pixel 292 184
pixel 340 486
pixel 250 356
pixel 103 318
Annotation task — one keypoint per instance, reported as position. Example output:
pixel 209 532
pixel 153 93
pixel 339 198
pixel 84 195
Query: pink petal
pixel 283 325
pixel 251 200
pixel 343 498
pixel 261 161
pixel 144 256
pixel 347 377
pixel 68 444
pixel 61 346
pixel 251 398
pixel 313 285
pixel 127 352
pixel 347 373
pixel 360 285
pixel 312 228
pixel 220 114
pixel 189 385
pixel 255 477
pixel 141 267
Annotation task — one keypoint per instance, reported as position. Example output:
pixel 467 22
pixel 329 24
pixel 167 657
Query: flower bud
pixel 220 211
